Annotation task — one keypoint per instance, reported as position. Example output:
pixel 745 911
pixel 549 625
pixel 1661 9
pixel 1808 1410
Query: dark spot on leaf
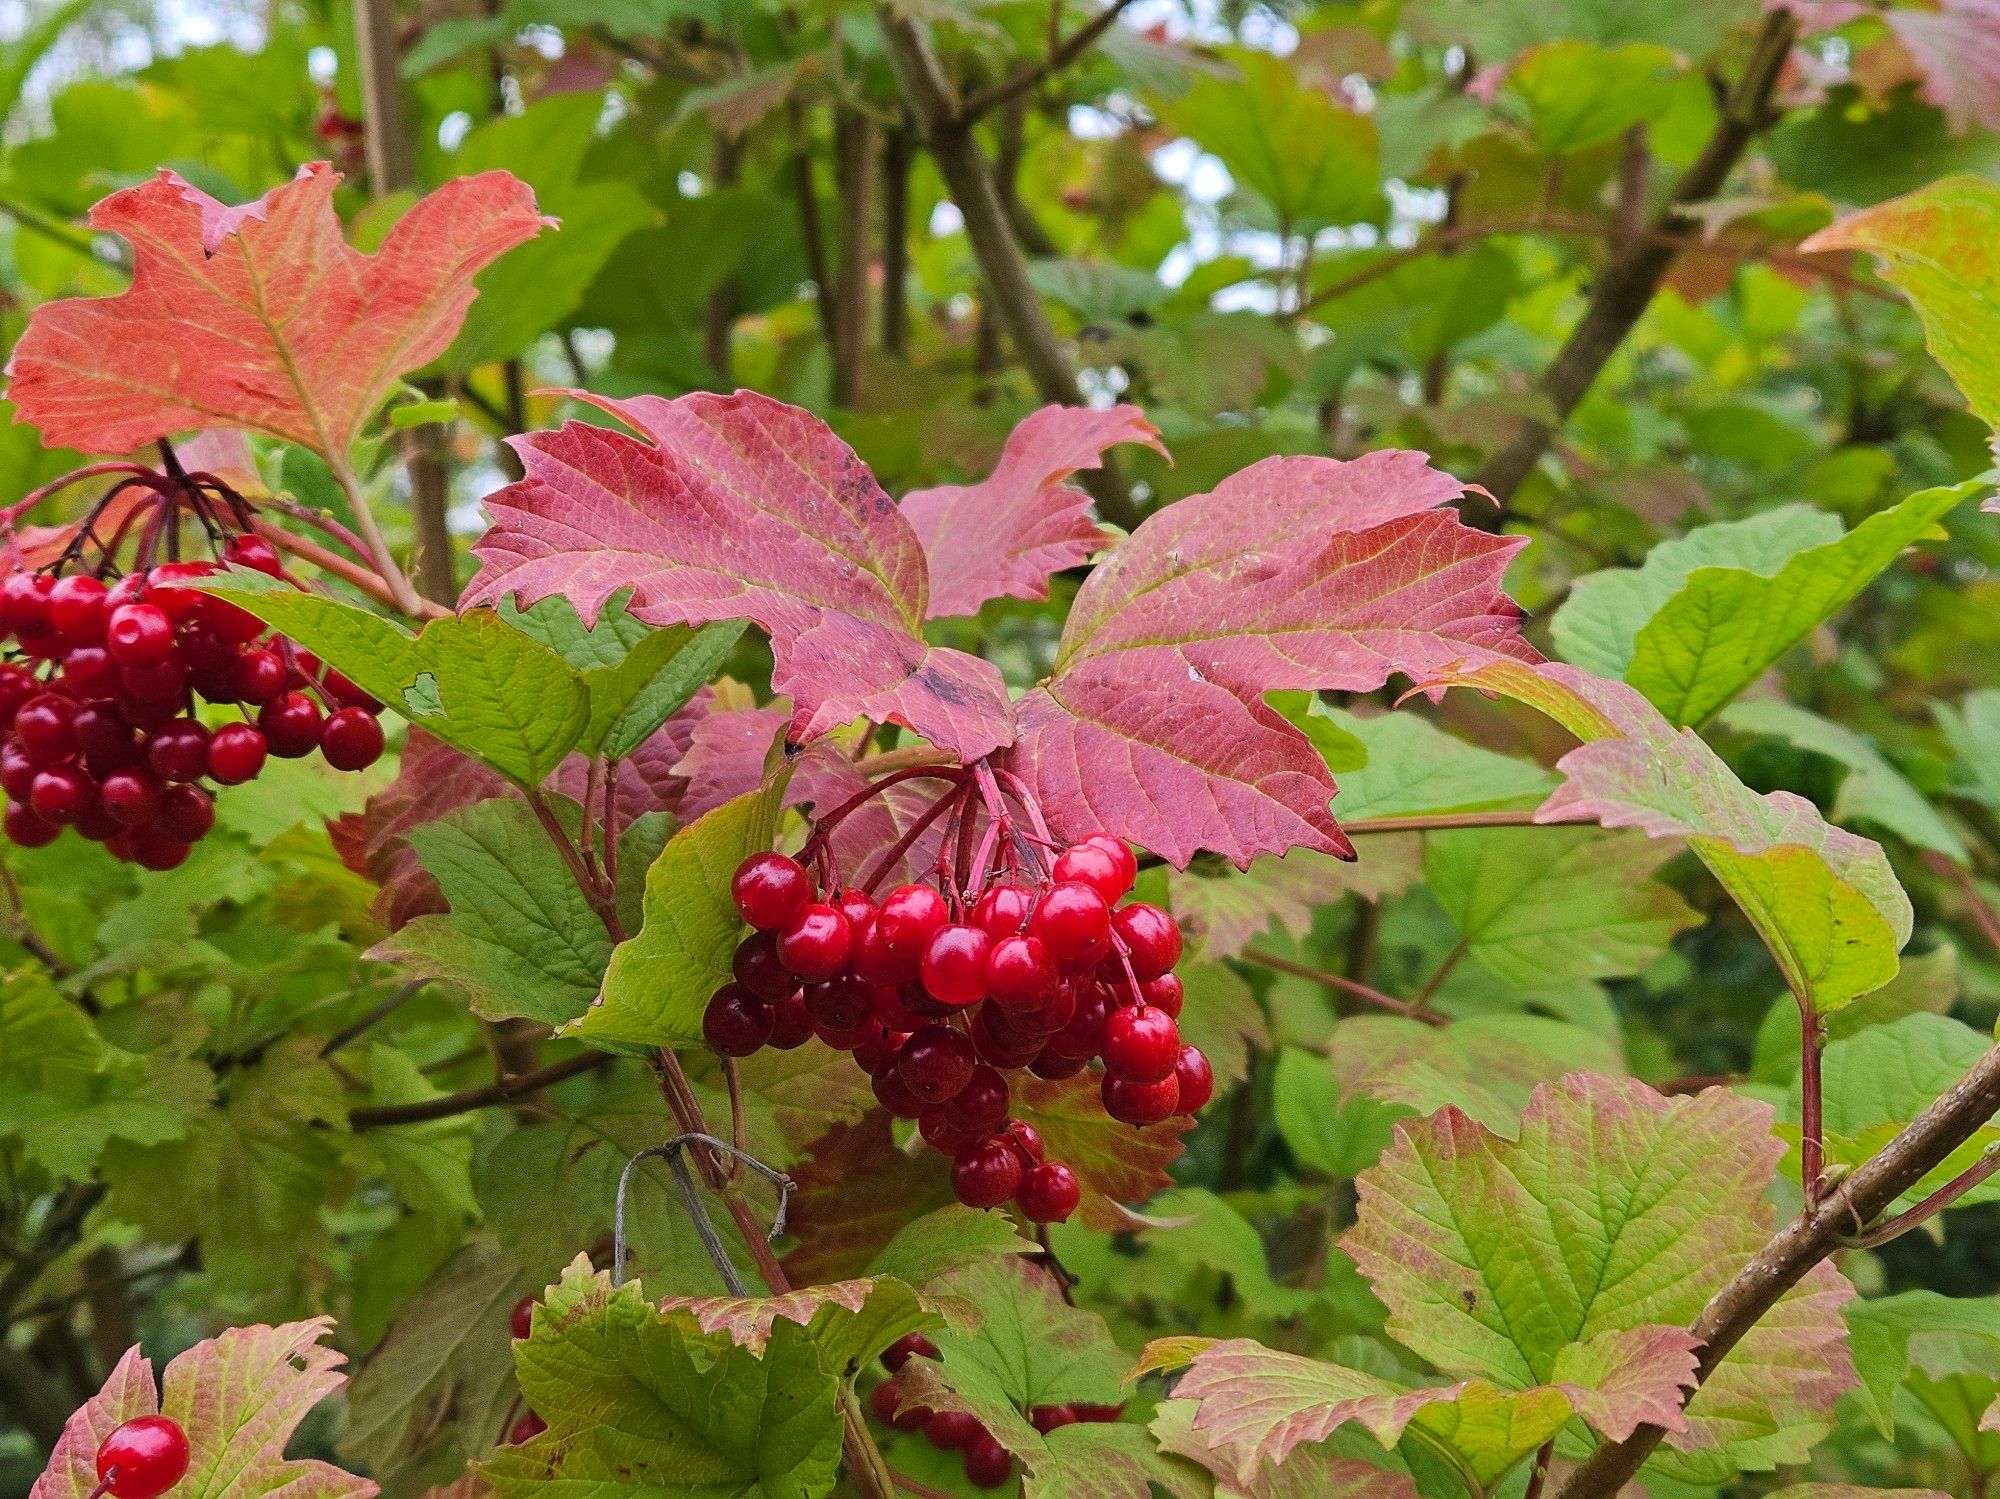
pixel 940 686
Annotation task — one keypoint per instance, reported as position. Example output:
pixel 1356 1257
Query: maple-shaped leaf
pixel 238 1397
pixel 1306 1473
pixel 260 316
pixel 1824 900
pixel 1614 1215
pixel 1115 1164
pixel 1004 537
pixel 741 507
pixel 850 1322
pixel 1296 573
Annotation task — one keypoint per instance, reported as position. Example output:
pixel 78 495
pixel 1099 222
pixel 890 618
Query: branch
pixel 1631 279
pixel 1342 985
pixel 1435 822
pixel 1060 56
pixel 1931 1206
pixel 504 1091
pixel 1803 1243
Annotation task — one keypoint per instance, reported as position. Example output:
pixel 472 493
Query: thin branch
pixel 329 561
pixel 347 1034
pixel 505 1090
pixel 1350 987
pixel 1803 1243
pixel 401 593
pixel 1438 821
pixel 1060 55
pixel 1931 1206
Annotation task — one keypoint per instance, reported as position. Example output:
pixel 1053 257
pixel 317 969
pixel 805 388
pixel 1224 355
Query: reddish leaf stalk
pixel 1812 1130
pixel 903 844
pixel 1931 1206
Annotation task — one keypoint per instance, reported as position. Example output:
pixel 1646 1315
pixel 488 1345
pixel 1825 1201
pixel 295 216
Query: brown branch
pixel 806 191
pixel 854 144
pixel 719 317
pixel 1803 1243
pixel 504 1091
pixel 1629 282
pixel 1440 821
pixel 968 174
pixel 896 241
pixel 1343 985
pixel 1060 55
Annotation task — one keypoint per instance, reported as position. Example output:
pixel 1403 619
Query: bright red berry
pixel 253 552
pixel 1026 1139
pixel 1163 993
pixel 879 963
pixel 43 728
pixel 24 605
pixel 980 1106
pixel 908 918
pixel 132 796
pixel 1087 864
pixel 954 966
pixel 291 725
pixel 76 607
pixel 986 1174
pixel 257 676
pixel 1151 937
pixel 178 751
pixel 61 793
pixel 1195 1078
pixel 139 635
pixel 935 1063
pixel 88 672
pixel 1119 853
pixel 142 1458
pixel 1074 923
pixel 815 943
pixel 351 739
pixel 1049 1192
pixel 1021 973
pixel 1140 1103
pixel 770 889
pixel 1140 1044
pixel 1003 911
pixel 235 754
pixel 735 1023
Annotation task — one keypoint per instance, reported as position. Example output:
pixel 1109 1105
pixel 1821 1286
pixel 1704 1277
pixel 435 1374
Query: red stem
pixel 902 845
pixel 1931 1206
pixel 823 826
pixel 1812 1147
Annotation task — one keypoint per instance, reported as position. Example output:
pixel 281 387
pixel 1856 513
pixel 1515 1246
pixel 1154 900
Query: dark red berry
pixel 1140 1044
pixel 882 1401
pixel 1196 1079
pixel 347 694
pixel 942 1135
pixel 163 681
pixel 43 728
pixel 523 1319
pixel 351 739
pixel 735 1023
pixel 1021 973
pixel 935 1063
pixel 986 1174
pixel 1080 1038
pixel 842 1002
pixel 1003 911
pixel 76 608
pixel 291 725
pixel 1046 1418
pixel 17 685
pixel 132 796
pixel 257 676
pixel 1047 1064
pixel 142 1458
pixel 1049 1192
pixel 910 1345
pixel 61 793
pixel 770 889
pixel 952 1430
pixel 178 751
pixel 1075 925
pixel 526 1429
pixel 757 968
pixel 17 771
pixel 1140 1103
pixel 815 943
pixel 187 813
pixel 26 829
pixel 1026 1139
pixel 1150 936
pixel 101 732
pixel 139 635
pixel 954 966
pixel 988 1465
pixel 995 1044
pixel 981 1105
pixel 791 1022
pixel 151 846
pixel 235 754
pixel 890 1092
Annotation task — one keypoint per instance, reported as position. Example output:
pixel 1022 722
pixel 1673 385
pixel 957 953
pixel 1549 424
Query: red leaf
pixel 854 1192
pixel 1303 573
pixel 259 316
pixel 1003 537
pixel 740 507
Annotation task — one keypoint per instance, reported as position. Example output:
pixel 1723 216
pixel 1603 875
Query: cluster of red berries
pixel 988 1465
pixel 937 1000
pixel 98 729
pixel 141 1458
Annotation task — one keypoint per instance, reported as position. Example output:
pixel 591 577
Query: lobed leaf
pixel 1114 1163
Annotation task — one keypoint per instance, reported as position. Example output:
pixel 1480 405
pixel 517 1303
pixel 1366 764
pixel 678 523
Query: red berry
pixel 151 846
pixel 88 671
pixel 347 694
pixel 76 607
pixel 950 1430
pixel 1151 937
pixel 26 829
pixel 178 751
pixel 1055 1068
pixel 908 918
pixel 1046 1418
pixel 981 1105
pixel 139 635
pixel 1086 864
pixel 523 1317
pixel 1080 1038
pixel 1026 1139
pixel 735 1023
pixel 187 813
pixel 147 713
pixel 842 1002
pixel 1163 993
pixel 1049 1192
pixel 890 1012
pixel 103 734
pixel 1075 925
pixel 954 966
pixel 986 1174
pixel 352 739
pixel 892 1094
pixel 256 553
pixel 995 1044
pixel 1196 1079
pixel 935 1063
pixel 1099 1413
pixel 291 725
pixel 875 961
pixel 1140 1103
pixel 770 889
pixel 159 682
pixel 988 1465
pixel 815 943
pixel 207 650
pixel 1003 911
pixel 257 676
pixel 24 605
pixel 132 796
pixel 43 728
pixel 910 1345
pixel 96 824
pixel 882 1401
pixel 143 1458
pixel 17 771
pixel 1020 973
pixel 1119 854
pixel 235 754
pixel 1140 1044
pixel 165 593
pixel 17 685
pixel 756 967
pixel 61 793
pixel 855 906
pixel 791 1022
pixel 526 1429
pixel 942 1135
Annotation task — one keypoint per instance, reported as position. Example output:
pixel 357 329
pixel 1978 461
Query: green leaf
pixel 1937 244
pixel 430 1163
pixel 659 981
pixel 472 679
pixel 1486 1065
pixel 1308 1473
pixel 639 1400
pixel 521 938
pixel 1719 632
pixel 1324 1127
pixel 1881 1329
pixel 850 1323
pixel 1310 161
pixel 945 1241
pixel 1972 729
pixel 1496 33
pixel 656 679
pixel 1537 906
pixel 1575 95
pixel 422 414
pixel 1414 768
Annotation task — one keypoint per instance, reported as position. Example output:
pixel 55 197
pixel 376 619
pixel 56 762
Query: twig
pixel 1439 821
pixel 504 1091
pixel 1931 1206
pixel 378 1013
pixel 329 561
pixel 401 593
pixel 1343 985
pixel 1060 55
pixel 673 1152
